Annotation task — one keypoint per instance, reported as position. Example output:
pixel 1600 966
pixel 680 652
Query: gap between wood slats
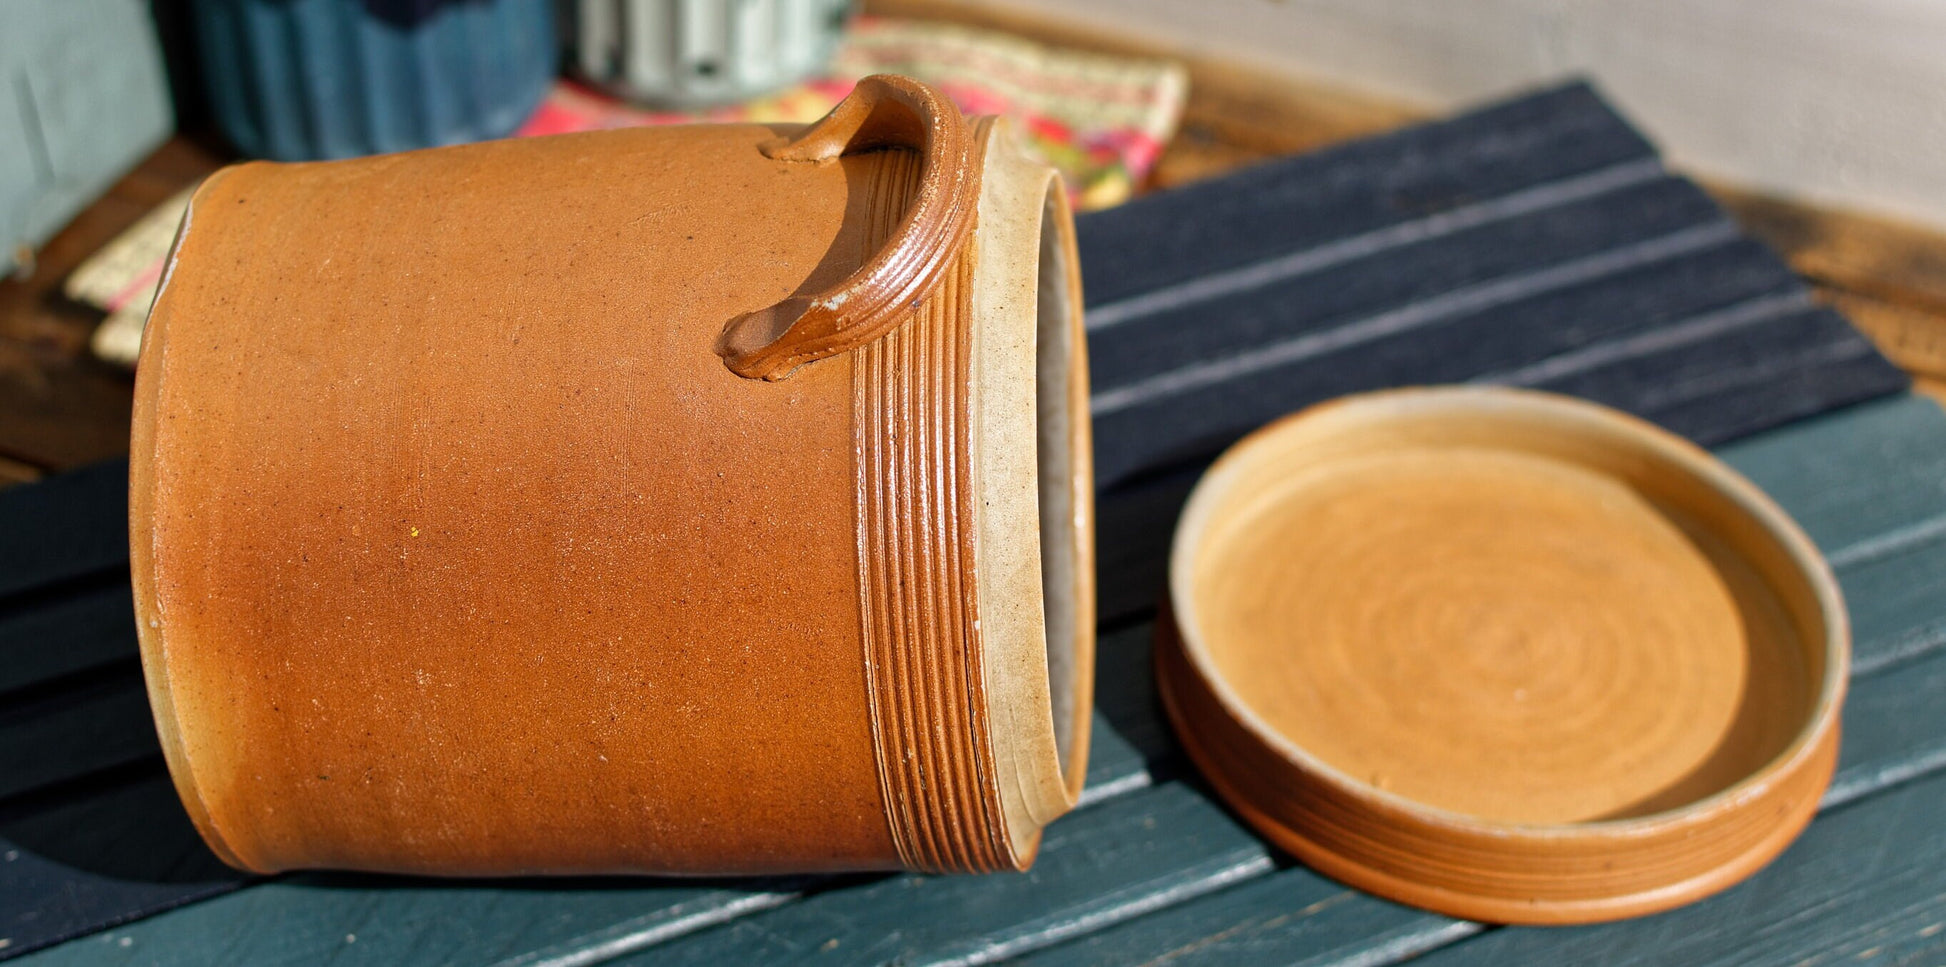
pixel 1894 727
pixel 1855 781
pixel 1864 550
pixel 1424 931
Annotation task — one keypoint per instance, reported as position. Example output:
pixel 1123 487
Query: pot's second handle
pixel 884 110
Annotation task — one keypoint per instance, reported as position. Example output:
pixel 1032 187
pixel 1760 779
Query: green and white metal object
pixel 701 53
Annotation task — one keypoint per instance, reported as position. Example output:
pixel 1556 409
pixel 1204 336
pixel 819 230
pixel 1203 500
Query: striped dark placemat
pixel 1538 242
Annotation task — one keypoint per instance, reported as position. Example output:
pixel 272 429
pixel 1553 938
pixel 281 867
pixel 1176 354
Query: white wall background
pixel 1842 102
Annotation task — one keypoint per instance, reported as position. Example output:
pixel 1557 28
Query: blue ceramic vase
pixel 308 79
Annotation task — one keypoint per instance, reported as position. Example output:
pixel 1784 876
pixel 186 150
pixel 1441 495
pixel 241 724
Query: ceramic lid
pixel 1503 655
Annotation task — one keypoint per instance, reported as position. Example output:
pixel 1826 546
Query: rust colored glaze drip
pixel 915 534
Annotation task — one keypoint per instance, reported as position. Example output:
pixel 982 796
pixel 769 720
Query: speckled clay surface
pixel 459 549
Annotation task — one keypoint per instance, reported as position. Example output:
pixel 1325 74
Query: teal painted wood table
pixel 1537 242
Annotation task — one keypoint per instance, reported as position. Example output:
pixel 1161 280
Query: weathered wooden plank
pixel 1864 885
pixel 314 918
pixel 1295 917
pixel 51 836
pixel 68 526
pixel 1857 473
pixel 1116 862
pixel 1897 604
pixel 1894 729
pixel 1895 732
pixel 1894 598
pixel 83 730
pixel 1886 732
pixel 1411 177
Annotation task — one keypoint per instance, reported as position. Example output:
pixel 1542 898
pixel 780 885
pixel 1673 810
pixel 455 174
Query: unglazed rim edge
pixel 1034 782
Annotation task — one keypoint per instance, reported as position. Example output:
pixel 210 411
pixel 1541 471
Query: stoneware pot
pixel 696 500
pixel 1504 655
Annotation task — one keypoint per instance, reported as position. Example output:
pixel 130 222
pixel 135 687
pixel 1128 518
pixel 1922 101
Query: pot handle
pixel 884 110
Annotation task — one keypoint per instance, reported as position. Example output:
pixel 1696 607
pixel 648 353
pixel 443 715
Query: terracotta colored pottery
pixel 709 499
pixel 1503 655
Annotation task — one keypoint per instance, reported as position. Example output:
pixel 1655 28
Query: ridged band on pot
pixel 459 550
pixel 1464 865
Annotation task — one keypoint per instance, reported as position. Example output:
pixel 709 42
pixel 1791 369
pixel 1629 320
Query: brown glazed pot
pixel 698 500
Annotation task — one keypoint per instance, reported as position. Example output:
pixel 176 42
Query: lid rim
pixel 1793 780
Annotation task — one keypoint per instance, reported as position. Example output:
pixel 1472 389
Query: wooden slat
pixel 1864 885
pixel 1290 918
pixel 408 921
pixel 1895 733
pixel 1855 474
pixel 1143 852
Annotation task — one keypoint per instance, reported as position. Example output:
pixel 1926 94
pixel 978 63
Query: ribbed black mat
pixel 1538 243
